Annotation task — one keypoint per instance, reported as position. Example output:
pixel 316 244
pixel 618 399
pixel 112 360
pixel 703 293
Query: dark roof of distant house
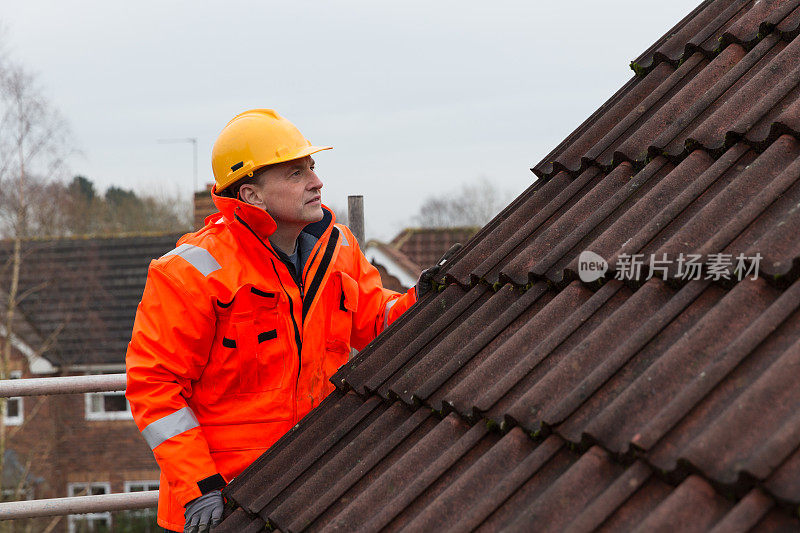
pixel 82 293
pixel 522 398
pixel 425 246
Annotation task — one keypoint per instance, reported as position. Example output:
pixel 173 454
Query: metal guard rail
pixel 77 504
pixel 100 503
pixel 62 385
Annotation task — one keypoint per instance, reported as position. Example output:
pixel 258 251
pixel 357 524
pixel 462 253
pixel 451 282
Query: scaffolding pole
pixel 100 503
pixel 62 385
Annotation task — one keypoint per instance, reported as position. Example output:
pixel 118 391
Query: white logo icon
pixel 591 266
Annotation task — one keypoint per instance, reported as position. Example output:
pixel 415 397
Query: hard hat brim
pixel 308 150
pixel 302 152
pixel 233 177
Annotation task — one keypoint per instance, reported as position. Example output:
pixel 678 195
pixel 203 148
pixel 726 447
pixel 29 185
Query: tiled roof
pixel 520 397
pixel 425 246
pixel 82 293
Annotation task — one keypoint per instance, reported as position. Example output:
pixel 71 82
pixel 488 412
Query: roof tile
pixel 784 482
pixel 790 25
pixel 703 25
pixel 628 100
pixel 761 18
pixel 693 506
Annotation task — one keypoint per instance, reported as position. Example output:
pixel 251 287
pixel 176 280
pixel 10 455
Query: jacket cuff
pixel 215 482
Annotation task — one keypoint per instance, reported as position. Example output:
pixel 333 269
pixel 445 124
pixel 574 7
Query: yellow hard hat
pixel 254 139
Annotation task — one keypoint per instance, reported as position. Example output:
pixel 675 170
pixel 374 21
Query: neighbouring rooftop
pixel 80 294
pixel 425 246
pixel 401 261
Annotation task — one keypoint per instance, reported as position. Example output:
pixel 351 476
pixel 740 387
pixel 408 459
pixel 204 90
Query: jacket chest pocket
pixel 345 304
pixel 253 343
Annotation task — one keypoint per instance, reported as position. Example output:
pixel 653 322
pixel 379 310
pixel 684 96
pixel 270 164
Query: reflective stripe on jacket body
pixel 228 352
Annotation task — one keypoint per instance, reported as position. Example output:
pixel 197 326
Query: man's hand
pixel 426 279
pixel 203 513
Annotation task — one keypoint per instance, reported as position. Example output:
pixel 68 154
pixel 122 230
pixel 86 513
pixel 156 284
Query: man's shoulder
pixel 347 235
pixel 203 250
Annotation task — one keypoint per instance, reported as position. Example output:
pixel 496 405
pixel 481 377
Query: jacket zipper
pixel 297 339
pixel 304 298
pixel 321 270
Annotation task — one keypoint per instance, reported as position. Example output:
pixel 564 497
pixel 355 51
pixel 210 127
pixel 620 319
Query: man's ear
pixel 249 195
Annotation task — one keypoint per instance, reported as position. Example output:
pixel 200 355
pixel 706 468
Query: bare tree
pixel 474 205
pixel 32 145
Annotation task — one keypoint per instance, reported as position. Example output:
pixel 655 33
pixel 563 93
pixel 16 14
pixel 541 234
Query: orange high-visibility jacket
pixel 228 352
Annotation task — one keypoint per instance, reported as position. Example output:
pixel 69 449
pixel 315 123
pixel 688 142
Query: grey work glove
pixel 203 513
pixel 429 275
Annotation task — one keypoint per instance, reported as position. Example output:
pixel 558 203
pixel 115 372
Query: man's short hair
pixel 232 190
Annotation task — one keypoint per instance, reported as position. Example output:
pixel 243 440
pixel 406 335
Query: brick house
pixel 76 319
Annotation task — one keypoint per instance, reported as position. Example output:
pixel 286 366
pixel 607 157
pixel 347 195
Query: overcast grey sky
pixel 416 97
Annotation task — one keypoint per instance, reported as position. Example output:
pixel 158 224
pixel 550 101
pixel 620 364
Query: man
pixel 242 325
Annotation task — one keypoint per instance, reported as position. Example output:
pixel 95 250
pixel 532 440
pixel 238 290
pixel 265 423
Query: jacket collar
pixel 232 209
pixel 260 221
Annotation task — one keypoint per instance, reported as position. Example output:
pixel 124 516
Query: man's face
pixel 290 192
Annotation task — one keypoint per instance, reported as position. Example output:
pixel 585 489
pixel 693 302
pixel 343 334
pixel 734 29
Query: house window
pixel 140 520
pixel 91 522
pixel 13 409
pixel 107 406
pixel 140 486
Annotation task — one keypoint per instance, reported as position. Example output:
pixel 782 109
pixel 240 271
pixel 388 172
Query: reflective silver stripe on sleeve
pixel 386 313
pixel 344 240
pixel 169 426
pixel 200 258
